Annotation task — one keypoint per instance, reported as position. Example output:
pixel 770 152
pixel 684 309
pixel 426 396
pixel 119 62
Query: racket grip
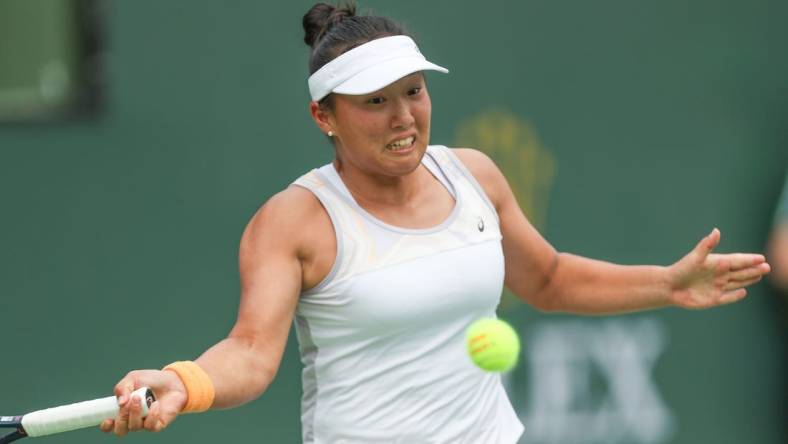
pixel 79 415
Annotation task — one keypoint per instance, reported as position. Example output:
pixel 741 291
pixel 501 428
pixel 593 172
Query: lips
pixel 401 144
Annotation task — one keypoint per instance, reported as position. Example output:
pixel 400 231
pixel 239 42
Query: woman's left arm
pixel 554 281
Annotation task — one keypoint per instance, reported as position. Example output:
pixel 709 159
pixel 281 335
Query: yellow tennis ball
pixel 493 345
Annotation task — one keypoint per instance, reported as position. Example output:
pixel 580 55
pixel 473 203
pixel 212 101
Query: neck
pixel 378 189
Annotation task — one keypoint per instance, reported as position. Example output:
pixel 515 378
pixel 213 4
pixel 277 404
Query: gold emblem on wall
pixel 514 145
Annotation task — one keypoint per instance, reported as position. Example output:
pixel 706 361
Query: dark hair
pixel 333 30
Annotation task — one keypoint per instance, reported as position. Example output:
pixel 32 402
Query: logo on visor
pixel 480 226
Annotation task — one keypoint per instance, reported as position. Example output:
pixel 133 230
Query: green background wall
pixel 658 119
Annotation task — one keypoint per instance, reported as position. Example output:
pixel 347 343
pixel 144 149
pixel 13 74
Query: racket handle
pixel 79 415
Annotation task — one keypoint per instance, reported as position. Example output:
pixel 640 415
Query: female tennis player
pixel 383 257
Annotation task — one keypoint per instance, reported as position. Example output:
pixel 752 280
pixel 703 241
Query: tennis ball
pixel 493 345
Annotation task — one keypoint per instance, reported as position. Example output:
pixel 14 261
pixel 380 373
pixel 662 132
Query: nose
pixel 402 117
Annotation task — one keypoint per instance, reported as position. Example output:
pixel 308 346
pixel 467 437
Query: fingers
pixel 135 414
pixel 735 285
pixel 742 260
pixel 733 296
pixel 711 241
pixel 707 244
pixel 163 411
pixel 107 425
pixel 738 280
pixel 748 273
pixel 152 421
pixel 122 420
pixel 161 415
pixel 129 416
pixel 124 388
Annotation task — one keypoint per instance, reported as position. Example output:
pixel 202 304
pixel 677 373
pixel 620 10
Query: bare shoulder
pixel 286 222
pixel 485 171
pixel 475 160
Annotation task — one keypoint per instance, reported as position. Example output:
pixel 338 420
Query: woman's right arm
pixel 273 250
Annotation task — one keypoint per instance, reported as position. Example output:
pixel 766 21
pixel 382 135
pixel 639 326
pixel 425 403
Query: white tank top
pixel 382 336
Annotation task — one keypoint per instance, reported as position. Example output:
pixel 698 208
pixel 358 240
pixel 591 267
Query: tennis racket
pixel 68 417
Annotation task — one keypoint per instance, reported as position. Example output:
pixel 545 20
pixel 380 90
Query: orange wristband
pixel 199 388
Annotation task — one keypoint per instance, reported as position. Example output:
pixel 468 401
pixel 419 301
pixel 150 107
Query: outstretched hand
pixel 702 279
pixel 170 398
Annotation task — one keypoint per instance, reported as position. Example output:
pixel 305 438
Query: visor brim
pixel 379 76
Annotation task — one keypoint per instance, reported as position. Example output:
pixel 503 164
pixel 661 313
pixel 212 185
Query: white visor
pixel 370 67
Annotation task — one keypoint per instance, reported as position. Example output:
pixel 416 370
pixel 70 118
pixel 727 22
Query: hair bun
pixel 321 18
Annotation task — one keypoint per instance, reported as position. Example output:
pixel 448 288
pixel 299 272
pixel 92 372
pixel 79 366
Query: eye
pixel 377 100
pixel 414 91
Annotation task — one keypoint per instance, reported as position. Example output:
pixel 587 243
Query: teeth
pixel 402 143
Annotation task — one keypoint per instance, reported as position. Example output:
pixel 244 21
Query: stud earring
pixel 330 133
